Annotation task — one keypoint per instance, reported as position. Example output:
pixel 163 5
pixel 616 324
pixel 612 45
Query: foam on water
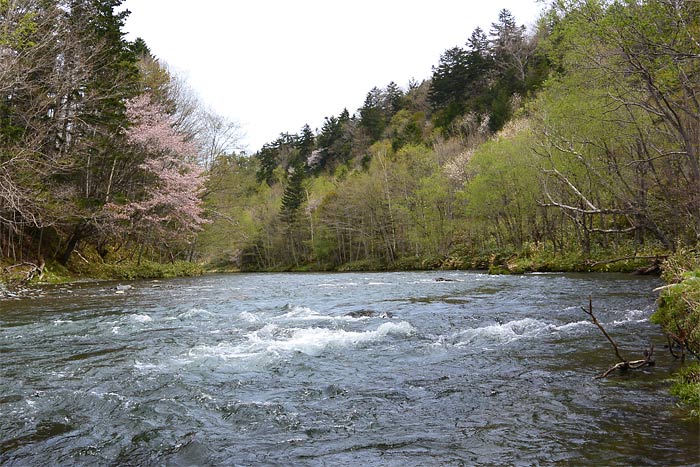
pixel 529 327
pixel 302 313
pixel 150 378
pixel 248 317
pixel 59 322
pixel 503 333
pixel 570 326
pixel 273 341
pixel 195 313
pixel 139 318
pixel 631 316
pixel 148 367
pixel 314 341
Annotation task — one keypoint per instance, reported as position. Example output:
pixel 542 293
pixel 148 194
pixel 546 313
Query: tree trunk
pixel 70 246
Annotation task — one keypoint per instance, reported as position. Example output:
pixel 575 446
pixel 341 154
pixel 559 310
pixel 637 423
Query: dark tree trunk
pixel 70 246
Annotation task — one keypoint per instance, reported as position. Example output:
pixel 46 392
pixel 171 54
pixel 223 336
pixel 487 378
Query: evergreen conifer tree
pixel 294 193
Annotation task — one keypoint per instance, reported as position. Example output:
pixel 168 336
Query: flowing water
pixel 342 369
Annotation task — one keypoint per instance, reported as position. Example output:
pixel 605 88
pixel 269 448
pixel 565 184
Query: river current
pixel 427 368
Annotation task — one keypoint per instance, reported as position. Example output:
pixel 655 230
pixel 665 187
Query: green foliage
pixel 686 387
pixel 21 35
pixel 373 115
pixel 677 265
pixel 267 162
pixel 678 312
pixel 370 264
pixel 149 270
pixel 294 193
pixel 503 190
pixel 56 273
pixel 565 185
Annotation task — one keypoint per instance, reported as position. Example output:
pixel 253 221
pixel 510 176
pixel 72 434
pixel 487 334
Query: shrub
pixel 687 387
pixel 678 313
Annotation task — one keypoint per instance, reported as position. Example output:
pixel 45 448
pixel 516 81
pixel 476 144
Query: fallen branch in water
pixel 623 364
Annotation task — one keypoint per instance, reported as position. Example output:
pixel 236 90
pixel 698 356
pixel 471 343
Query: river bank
pixel 89 266
pixel 15 278
pixel 678 302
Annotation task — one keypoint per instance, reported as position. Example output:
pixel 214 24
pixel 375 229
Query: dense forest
pixel 102 150
pixel 579 139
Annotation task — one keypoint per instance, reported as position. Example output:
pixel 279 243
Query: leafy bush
pixel 370 264
pixel 679 310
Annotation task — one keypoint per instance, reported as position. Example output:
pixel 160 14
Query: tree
pixel 306 143
pixel 372 114
pixel 627 154
pixel 267 162
pixel 294 193
pixel 502 192
pixel 509 46
pixel 67 71
pixel 450 79
pixel 394 98
pixel 164 208
pixel 219 136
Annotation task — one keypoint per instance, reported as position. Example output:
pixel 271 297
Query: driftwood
pixel 623 363
pixel 30 271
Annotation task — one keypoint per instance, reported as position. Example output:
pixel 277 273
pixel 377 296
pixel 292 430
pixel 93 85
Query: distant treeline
pixel 582 136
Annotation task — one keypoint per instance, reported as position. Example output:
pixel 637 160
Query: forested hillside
pixel 102 151
pixel 564 147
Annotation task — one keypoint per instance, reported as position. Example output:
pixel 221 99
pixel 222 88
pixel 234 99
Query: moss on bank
pixel 133 270
pixel 530 258
pixel 55 273
pixel 678 314
pixel 686 387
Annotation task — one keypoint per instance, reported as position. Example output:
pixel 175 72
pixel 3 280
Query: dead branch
pixel 32 271
pixel 626 258
pixel 623 364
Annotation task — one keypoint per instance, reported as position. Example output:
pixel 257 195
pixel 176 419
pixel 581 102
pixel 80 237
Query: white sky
pixel 274 65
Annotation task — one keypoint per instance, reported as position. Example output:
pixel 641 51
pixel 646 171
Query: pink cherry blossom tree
pixel 164 206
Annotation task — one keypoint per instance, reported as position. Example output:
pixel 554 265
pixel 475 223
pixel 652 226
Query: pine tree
pixel 306 143
pixel 294 193
pixel 394 98
pixel 372 117
pixel 267 158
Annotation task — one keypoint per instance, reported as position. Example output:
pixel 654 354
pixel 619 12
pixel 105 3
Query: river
pixel 340 369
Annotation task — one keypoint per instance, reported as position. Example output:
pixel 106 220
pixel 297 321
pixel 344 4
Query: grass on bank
pixel 678 314
pixel 531 257
pixel 686 387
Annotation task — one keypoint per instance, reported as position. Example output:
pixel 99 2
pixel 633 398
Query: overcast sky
pixel 274 65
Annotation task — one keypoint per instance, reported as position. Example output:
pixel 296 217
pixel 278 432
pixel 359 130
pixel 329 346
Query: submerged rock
pixel 121 289
pixel 369 314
